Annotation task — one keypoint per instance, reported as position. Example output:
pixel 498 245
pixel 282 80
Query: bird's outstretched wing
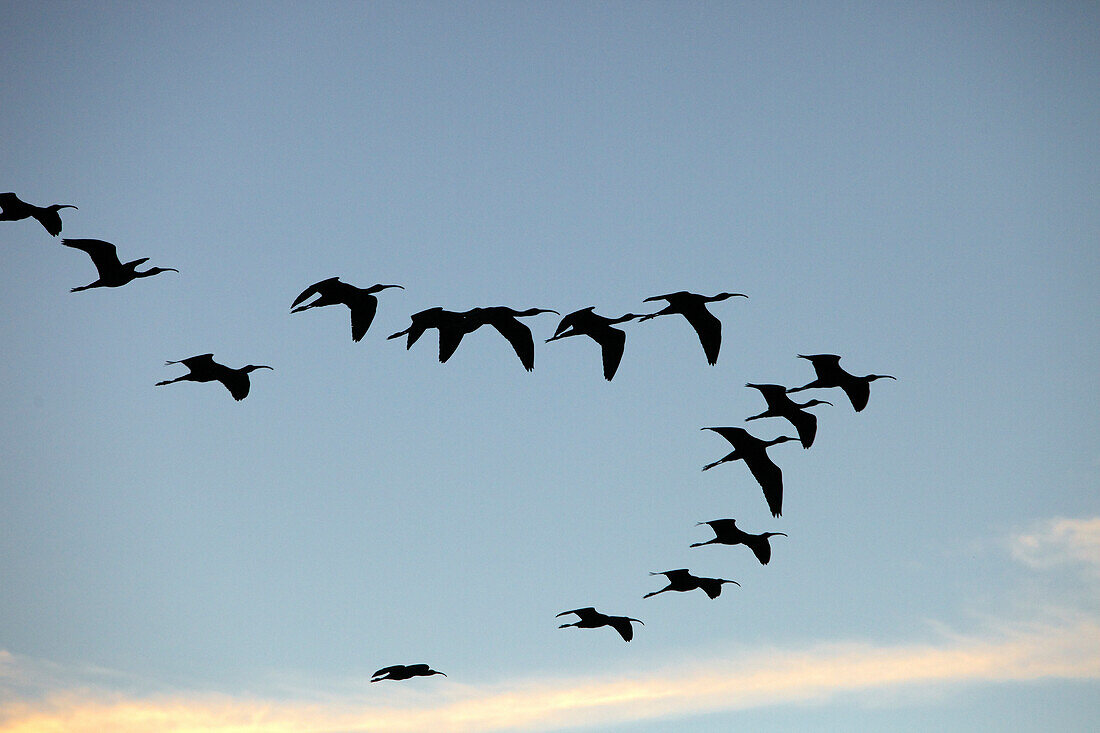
pixel 858 391
pixel 388 670
pixel 519 336
pixel 570 321
pixel 315 289
pixel 622 625
pixel 10 201
pixel 770 478
pixel 709 330
pixel 760 547
pixel 202 361
pixel 734 435
pixel 771 392
pixel 583 613
pixel 363 307
pixel 612 343
pixel 672 575
pixel 236 382
pixel 806 425
pixel 713 586
pixel 104 254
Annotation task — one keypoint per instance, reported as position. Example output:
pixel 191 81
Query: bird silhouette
pixel 682 580
pixel 403 672
pixel 831 374
pixel 450 324
pixel 780 405
pixel 600 329
pixel 753 451
pixel 361 301
pixel 13 209
pixel 203 368
pixel 505 321
pixel 590 618
pixel 693 307
pixel 112 272
pixel 727 533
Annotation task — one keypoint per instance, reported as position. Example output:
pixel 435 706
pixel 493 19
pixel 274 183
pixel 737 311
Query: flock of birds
pixel 452 326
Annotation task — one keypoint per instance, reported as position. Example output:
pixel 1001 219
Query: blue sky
pixel 913 186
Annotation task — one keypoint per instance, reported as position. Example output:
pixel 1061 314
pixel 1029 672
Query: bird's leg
pixel 700 544
pixel 729 457
pixel 172 381
pixel 757 417
pixel 656 592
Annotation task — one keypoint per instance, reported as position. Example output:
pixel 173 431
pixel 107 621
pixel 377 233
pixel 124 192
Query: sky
pixel 913 186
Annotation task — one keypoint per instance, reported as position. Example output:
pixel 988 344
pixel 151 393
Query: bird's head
pixel 377 287
pixel 811 403
pixel 536 311
pixel 873 377
pixel 727 296
pixel 773 534
pixel 781 439
pixel 59 207
pixel 723 581
pixel 430 672
pixel 253 367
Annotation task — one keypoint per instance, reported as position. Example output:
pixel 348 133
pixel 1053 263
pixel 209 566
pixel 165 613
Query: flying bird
pixel 590 618
pixel 753 451
pixel 403 672
pixel 361 301
pixel 600 329
pixel 780 405
pixel 112 272
pixel 450 324
pixel 831 374
pixel 727 533
pixel 693 307
pixel 682 580
pixel 506 321
pixel 203 368
pixel 13 209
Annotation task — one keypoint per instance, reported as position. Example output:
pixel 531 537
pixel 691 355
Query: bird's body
pixel 590 618
pixel 450 324
pixel 362 302
pixel 600 329
pixel 831 374
pixel 726 532
pixel 113 273
pixel 681 580
pixel 780 405
pixel 403 672
pixel 203 368
pixel 753 451
pixel 13 209
pixel 693 307
pixel 506 321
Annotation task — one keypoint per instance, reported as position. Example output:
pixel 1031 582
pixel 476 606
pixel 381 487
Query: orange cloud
pixel 1067 646
pixel 737 682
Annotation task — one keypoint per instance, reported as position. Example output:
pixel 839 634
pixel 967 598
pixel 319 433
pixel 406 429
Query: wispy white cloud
pixel 1065 644
pixel 1058 542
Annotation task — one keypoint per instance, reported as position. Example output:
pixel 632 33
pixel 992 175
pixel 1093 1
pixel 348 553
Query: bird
pixel 682 580
pixel 361 301
pixel 450 324
pixel 112 272
pixel 590 618
pixel 13 209
pixel 753 451
pixel 693 307
pixel 403 672
pixel 506 321
pixel 727 533
pixel 831 374
pixel 600 329
pixel 203 368
pixel 780 405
